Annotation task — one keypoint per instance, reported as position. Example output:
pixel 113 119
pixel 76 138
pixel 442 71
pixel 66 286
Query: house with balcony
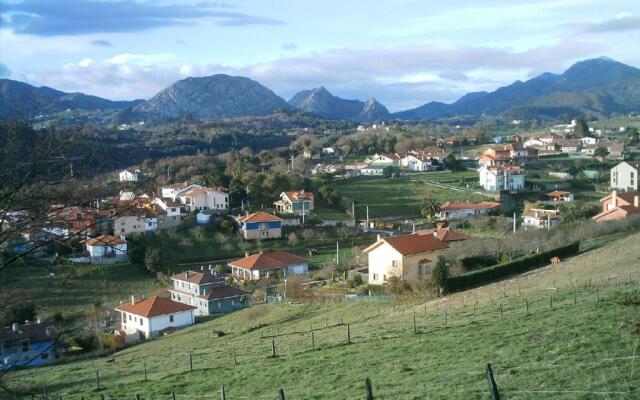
pixel 539 218
pixel 295 202
pixel 107 249
pixel 206 290
pixel 260 225
pixel 502 178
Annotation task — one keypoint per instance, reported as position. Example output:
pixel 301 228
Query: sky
pixel 404 53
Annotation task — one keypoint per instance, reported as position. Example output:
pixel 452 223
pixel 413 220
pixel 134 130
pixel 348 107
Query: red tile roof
pixel 105 240
pixel 198 277
pixel 445 235
pixel 298 195
pixel 268 260
pixel 411 244
pixel 154 306
pixel 222 292
pixel 259 217
pixel 557 193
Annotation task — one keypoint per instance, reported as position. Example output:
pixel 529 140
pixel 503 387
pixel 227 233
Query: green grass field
pixel 387 197
pixel 568 345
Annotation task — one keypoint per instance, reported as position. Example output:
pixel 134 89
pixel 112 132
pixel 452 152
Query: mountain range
pixel 19 99
pixel 598 87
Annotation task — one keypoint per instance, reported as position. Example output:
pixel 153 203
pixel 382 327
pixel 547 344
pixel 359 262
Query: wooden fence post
pixel 44 390
pixel 173 395
pixel 233 352
pixel 575 301
pixel 222 393
pixel 493 388
pixel 415 327
pixel 281 394
pixel 445 318
pixel 367 385
pixel 273 347
pixel 137 396
pixel 474 310
pixel 97 379
pixel 144 364
pixel 526 304
pixel 597 293
pixel 313 341
pixel 551 302
pixel 501 311
pixel 190 362
pixel 348 334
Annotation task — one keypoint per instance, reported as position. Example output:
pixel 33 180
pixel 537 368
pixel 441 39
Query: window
pixel 129 317
pixel 395 263
pixel 141 322
pixel 375 277
pixel 384 278
pixel 170 318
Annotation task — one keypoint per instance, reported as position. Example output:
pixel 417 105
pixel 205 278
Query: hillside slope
pixel 321 102
pixel 567 345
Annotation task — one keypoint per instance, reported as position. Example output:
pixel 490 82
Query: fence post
pixel 44 390
pixel 222 394
pixel 97 379
pixel 500 310
pixel 281 394
pixel 137 396
pixel 526 304
pixel 551 302
pixel 103 398
pixel 348 334
pixel 415 327
pixel 313 341
pixel 273 347
pixel 445 318
pixel 190 362
pixel 598 293
pixel 233 352
pixel 144 364
pixel 367 385
pixel 574 298
pixel 474 310
pixel 173 395
pixel 493 388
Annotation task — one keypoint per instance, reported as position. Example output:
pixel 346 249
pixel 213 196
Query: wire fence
pixel 385 321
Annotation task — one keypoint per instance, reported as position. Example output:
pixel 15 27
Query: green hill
pixel 568 345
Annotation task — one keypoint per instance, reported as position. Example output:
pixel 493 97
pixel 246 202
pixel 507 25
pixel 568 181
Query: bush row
pixel 516 266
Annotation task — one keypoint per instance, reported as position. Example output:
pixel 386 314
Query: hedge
pixel 513 267
pixel 477 262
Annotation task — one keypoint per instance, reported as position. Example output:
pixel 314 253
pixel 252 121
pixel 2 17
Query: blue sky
pixel 402 52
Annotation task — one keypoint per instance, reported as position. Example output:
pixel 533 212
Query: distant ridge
pixel 321 102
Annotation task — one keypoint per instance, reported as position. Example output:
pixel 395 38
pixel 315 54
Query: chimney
pixel 636 201
pixel 47 331
pixel 378 237
pixel 14 327
pixel 133 299
pixel 186 273
pixel 202 268
pixel 246 254
pixel 614 199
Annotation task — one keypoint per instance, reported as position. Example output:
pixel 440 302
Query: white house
pixel 171 207
pixel 171 191
pixel 624 176
pixel 408 257
pixel 587 140
pixel 450 211
pixel 558 196
pixel 540 218
pixel 267 264
pixel 155 316
pixel 413 162
pixel 328 151
pixel 499 178
pixel 205 199
pixel 385 160
pixel 130 176
pixel 107 249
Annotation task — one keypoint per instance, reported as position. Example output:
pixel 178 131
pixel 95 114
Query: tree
pixel 136 249
pixel 430 209
pixel 18 314
pixel 601 153
pixel 580 129
pixel 152 260
pixel 451 162
pixel 440 274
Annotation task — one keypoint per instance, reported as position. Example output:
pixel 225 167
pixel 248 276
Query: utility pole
pixel 367 227
pixel 337 253
pixel 514 222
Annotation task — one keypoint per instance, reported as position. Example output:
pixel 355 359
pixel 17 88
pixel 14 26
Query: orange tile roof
pixel 267 260
pixel 105 240
pixel 557 193
pixel 411 244
pixel 198 277
pixel 154 306
pixel 259 216
pixel 293 195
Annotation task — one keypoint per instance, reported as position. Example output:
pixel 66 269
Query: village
pixel 297 248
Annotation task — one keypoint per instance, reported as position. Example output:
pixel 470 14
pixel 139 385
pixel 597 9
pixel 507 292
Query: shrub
pixel 440 274
pixel 515 266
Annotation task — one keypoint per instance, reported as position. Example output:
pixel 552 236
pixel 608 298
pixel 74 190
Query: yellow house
pixel 408 257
